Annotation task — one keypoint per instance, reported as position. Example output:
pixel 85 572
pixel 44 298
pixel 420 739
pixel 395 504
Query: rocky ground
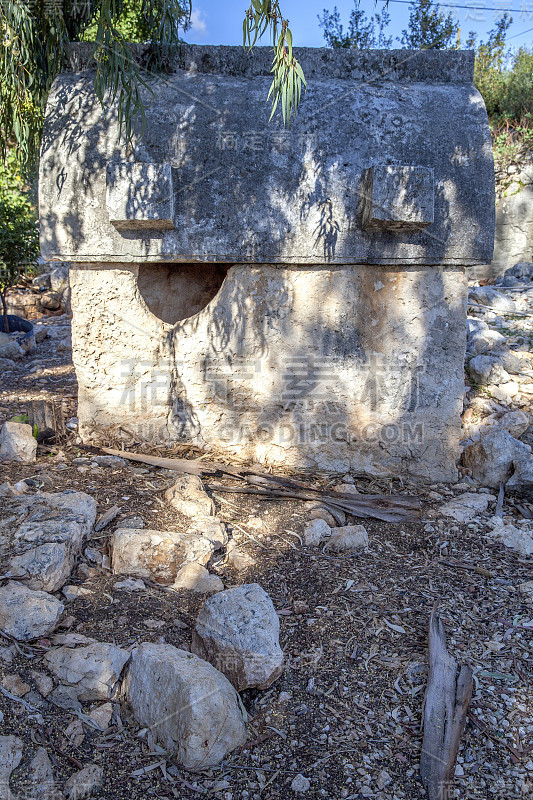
pixel 343 719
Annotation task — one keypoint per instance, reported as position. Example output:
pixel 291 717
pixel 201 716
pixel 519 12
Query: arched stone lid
pixel 389 161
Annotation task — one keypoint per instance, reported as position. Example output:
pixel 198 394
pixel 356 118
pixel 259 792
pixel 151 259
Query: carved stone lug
pixel 139 196
pixel 398 198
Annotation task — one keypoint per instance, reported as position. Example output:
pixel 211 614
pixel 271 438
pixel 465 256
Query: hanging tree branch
pixel 288 76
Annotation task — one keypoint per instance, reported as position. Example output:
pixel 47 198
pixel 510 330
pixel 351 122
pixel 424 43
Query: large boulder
pixel 92 670
pixel 238 632
pixel 43 534
pixel 26 614
pixel 491 459
pixel 191 708
pixel 157 555
pixel 17 443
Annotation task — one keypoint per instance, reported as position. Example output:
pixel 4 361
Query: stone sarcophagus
pixel 293 296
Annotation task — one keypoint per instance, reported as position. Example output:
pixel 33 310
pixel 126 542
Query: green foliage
pixel 19 238
pixel 517 99
pixel 429 27
pixel 288 77
pixel 491 60
pixel 34 41
pixel 362 32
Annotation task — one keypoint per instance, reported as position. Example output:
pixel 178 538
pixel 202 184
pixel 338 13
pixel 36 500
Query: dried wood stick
pixel 445 711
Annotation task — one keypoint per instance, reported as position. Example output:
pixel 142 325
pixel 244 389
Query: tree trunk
pixel 5 323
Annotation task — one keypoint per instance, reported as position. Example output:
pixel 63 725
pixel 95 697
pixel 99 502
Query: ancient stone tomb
pixel 296 296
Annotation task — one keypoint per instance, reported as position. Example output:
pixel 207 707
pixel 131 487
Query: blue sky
pixel 216 22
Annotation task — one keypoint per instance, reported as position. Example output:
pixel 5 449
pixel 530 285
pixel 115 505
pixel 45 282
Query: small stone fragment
pixel 93 670
pixel 316 531
pixel 130 585
pixel 527 590
pixel 237 558
pixel 101 715
pixel 107 517
pixel 238 632
pixel 74 592
pixel 467 506
pixel 189 497
pixel 513 536
pixel 83 783
pixel 42 776
pixel 197 579
pixel 43 682
pixel 300 784
pixel 349 537
pixel 15 685
pixel 26 614
pixel 10 757
pixel 17 443
pixel 74 732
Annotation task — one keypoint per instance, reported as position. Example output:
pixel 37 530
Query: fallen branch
pixel 445 711
pixel 388 508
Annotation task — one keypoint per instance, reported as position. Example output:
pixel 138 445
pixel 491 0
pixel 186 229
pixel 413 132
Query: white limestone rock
pixel 522 478
pixel 491 459
pixel 17 443
pixel 197 579
pixel 212 528
pixel 192 709
pixel 157 555
pixel 515 422
pixel 43 534
pixel 189 497
pixel 467 506
pixel 41 776
pixel 27 614
pixel 238 632
pixel 316 531
pixel 349 537
pixel 10 757
pixel 93 670
pixel 9 347
pixel 83 783
pixel 516 537
pixel 487 369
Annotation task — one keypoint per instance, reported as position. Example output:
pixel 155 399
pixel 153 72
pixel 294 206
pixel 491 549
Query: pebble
pixel 300 784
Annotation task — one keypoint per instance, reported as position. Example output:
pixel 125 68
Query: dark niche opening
pixel 174 292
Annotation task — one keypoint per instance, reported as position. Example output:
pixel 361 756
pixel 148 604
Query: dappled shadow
pixel 323 329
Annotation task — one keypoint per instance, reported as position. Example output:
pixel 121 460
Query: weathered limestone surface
pixel 249 192
pixel 190 707
pixel 514 230
pixel 323 367
pixel 297 296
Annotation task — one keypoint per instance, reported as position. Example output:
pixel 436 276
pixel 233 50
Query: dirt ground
pixel 346 713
